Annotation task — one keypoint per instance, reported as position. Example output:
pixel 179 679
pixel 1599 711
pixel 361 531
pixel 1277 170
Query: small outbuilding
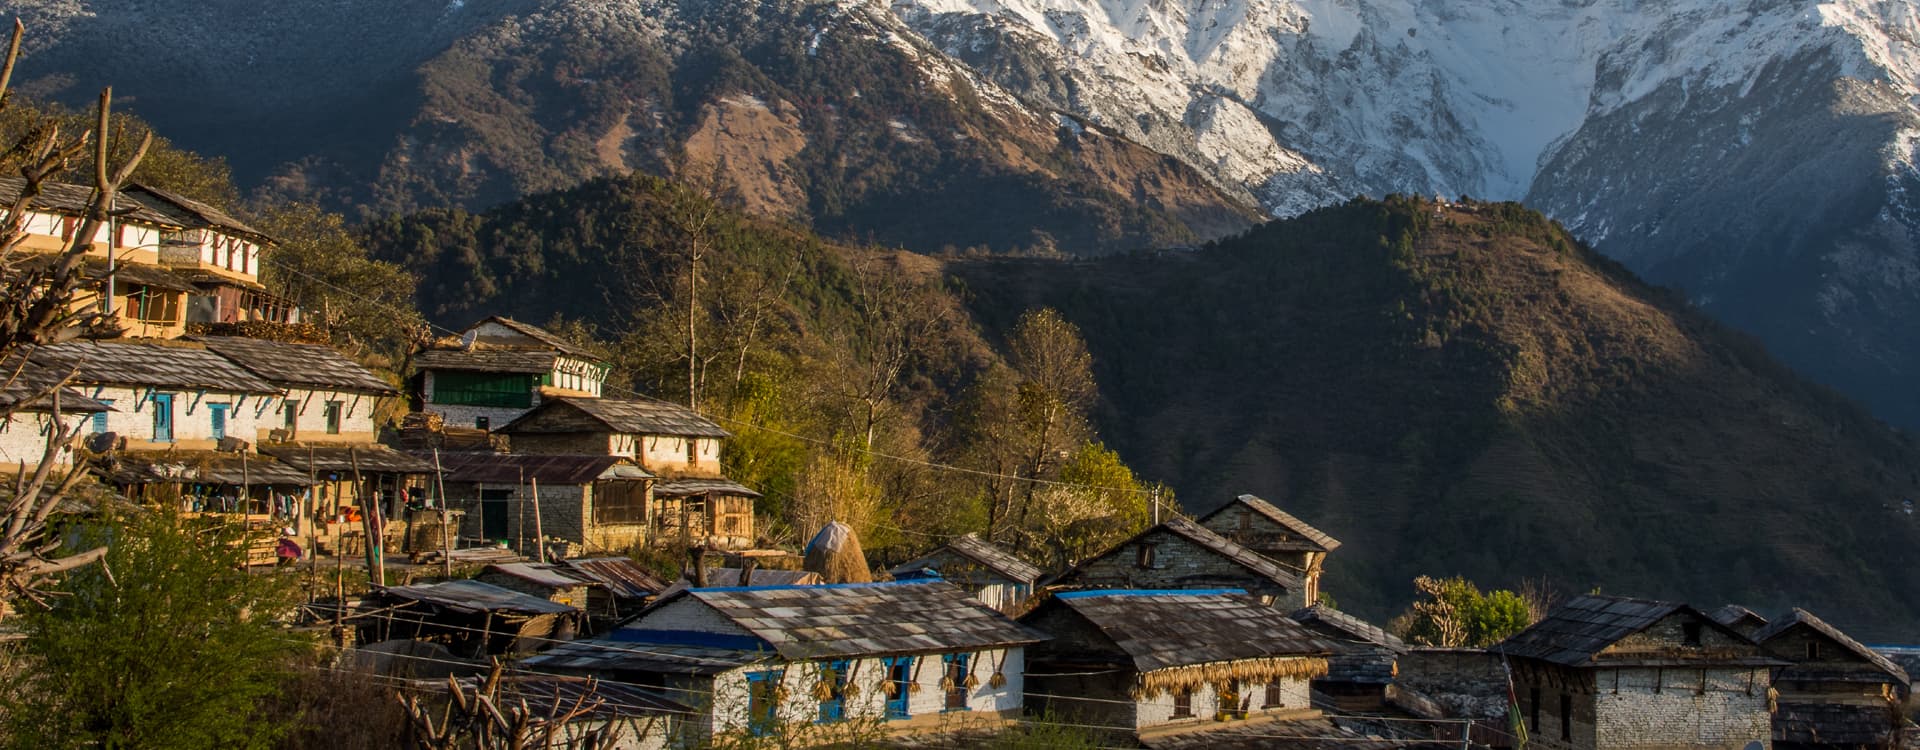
pixel 999 578
pixel 1835 692
pixel 1181 554
pixel 1360 676
pixel 471 618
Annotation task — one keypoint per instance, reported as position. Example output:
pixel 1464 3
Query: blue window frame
pixel 834 708
pixel 954 667
pixel 217 413
pixel 899 686
pixel 100 418
pixel 763 702
pixel 163 417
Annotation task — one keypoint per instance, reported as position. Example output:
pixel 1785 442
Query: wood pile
pixel 470 556
pixel 423 431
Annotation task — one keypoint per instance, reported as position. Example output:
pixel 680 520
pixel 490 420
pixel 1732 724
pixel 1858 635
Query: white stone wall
pixel 23 439
pixel 1157 710
pixel 132 417
pixel 801 710
pixel 1729 713
pixel 310 416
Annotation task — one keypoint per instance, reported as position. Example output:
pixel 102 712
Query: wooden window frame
pixel 1182 704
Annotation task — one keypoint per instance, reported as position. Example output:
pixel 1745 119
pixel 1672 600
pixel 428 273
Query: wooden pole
pixel 446 532
pixel 539 531
pixel 372 522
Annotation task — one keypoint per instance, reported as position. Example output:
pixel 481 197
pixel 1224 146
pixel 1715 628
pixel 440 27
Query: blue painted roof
pixel 1149 592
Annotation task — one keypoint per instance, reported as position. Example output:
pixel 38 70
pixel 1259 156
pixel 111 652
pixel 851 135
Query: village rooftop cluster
pixel 503 453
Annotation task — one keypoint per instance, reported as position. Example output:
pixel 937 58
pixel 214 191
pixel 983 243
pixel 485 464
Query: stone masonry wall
pixel 1176 564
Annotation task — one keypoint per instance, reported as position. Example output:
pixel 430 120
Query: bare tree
pixel 44 300
pixel 486 716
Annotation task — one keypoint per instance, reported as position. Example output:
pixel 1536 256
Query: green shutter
pixel 510 390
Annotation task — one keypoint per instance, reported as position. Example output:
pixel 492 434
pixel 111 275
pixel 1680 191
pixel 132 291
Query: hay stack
pixel 835 554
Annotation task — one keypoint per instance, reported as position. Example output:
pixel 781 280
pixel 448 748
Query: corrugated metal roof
pixel 621 576
pixel 486 359
pixel 629 416
pixel 1164 629
pixel 152 364
pixel 197 467
pixel 972 547
pixel 302 365
pixel 1317 540
pixel 691 487
pixel 336 457
pixel 861 619
pixel 1801 618
pixel 519 468
pixel 550 575
pixel 1575 632
pixel 1329 621
pixel 470 596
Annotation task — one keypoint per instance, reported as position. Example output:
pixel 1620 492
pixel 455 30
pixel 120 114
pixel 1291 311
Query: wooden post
pixel 372 522
pixel 446 532
pixel 539 531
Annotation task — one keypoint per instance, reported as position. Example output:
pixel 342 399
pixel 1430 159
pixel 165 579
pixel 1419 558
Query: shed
pixel 1360 676
pixel 471 617
pixel 620 586
pixel 554 582
pixel 998 577
pixel 1833 692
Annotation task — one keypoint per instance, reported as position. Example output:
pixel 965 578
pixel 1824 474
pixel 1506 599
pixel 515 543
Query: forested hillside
pixel 1448 389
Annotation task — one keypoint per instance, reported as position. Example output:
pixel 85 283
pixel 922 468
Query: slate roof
pixel 308 366
pixel 1575 632
pixel 142 363
pixel 1317 540
pixel 33 383
pixel 1733 615
pixel 1180 628
pixel 621 576
pixel 860 619
pixel 486 359
pixel 197 467
pixel 1332 622
pixel 517 468
pixel 691 487
pixel 339 457
pixel 539 334
pixel 63 198
pixel 474 597
pixel 972 547
pixel 1801 618
pixel 556 695
pixel 630 416
pixel 189 213
pixel 1200 535
pixel 95 269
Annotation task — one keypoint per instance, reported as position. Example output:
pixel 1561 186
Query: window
pixel 619 501
pixel 1813 650
pixel 693 451
pixel 292 410
pixel 1145 559
pixel 163 417
pixel 333 416
pixel 484 423
pixel 834 674
pixel 1276 695
pixel 1227 702
pixel 899 686
pixel 1566 716
pixel 511 390
pixel 763 702
pixel 957 669
pixel 100 418
pixel 1183 704
pixel 217 415
pixel 1690 633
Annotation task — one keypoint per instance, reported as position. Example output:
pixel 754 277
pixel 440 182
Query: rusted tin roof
pixel 1577 631
pixel 342 458
pixel 621 576
pixel 987 554
pixel 860 619
pixel 486 359
pixel 1316 540
pixel 567 414
pixel 692 487
pixel 151 364
pixel 308 366
pixel 1179 628
pixel 1335 623
pixel 197 467
pixel 521 468
pixel 472 597
pixel 1800 618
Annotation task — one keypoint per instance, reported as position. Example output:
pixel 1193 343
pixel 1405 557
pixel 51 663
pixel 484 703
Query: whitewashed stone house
pixel 1272 533
pixel 1159 661
pixel 1612 672
pixel 498 369
pixel 806 665
pixel 165 395
pixel 31 417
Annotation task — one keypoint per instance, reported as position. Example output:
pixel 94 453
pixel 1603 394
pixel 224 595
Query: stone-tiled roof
pixel 1801 618
pixel 1222 546
pixel 725 577
pixel 643 651
pixel 189 213
pixel 1179 628
pixel 1338 624
pixel 344 458
pixel 539 334
pixel 550 575
pixel 486 359
pixel 629 416
pixel 197 467
pixel 518 468
pixel 64 198
pixel 1736 616
pixel 33 384
pixel 1575 632
pixel 697 486
pixel 95 269
pixel 861 619
pixel 153 364
pixel 981 551
pixel 1316 540
pixel 308 366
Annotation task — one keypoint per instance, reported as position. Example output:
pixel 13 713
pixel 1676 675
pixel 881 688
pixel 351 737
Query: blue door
pixel 899 686
pixel 763 702
pixel 218 413
pixel 163 417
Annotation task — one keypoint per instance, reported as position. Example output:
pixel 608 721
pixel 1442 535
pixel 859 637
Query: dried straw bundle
pixel 1255 671
pixel 835 554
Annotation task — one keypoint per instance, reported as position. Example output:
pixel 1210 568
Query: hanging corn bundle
pixel 823 687
pixel 999 678
pixel 851 687
pixel 913 687
pixel 1255 671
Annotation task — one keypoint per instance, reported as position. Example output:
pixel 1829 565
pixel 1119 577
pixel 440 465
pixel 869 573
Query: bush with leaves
pixel 1453 613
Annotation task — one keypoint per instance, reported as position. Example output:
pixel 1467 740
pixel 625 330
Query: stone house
pixel 594 503
pixel 997 577
pixel 694 502
pixel 498 369
pixel 808 665
pixel 1181 554
pixel 1360 675
pixel 220 255
pixel 1612 672
pixel 32 411
pixel 1739 618
pixel 1834 692
pixel 1158 661
pixel 165 395
pixel 1276 535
